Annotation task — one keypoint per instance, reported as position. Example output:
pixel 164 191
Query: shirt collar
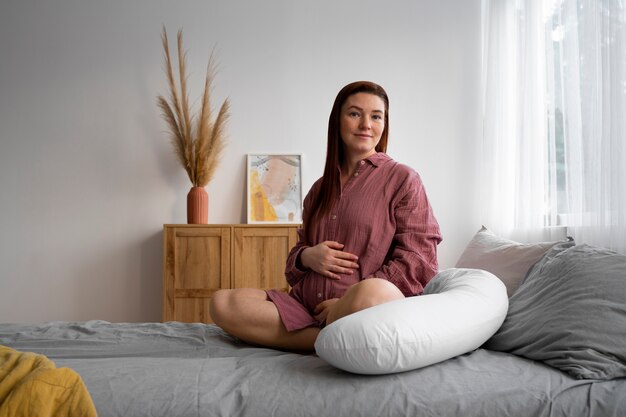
pixel 378 158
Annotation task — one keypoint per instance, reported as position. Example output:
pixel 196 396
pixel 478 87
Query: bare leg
pixel 364 294
pixel 247 314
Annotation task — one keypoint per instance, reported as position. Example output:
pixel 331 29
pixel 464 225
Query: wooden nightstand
pixel 200 259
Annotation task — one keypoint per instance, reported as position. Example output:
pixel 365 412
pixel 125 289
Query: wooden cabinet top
pixel 231 225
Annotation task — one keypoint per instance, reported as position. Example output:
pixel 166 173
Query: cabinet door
pixel 260 255
pixel 197 263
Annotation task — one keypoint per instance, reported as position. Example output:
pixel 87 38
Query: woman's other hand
pixel 328 259
pixel 323 308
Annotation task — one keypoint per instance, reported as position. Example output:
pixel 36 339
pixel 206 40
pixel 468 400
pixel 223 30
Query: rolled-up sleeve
pixel 412 258
pixel 293 271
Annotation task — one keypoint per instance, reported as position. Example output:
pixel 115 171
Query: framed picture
pixel 274 188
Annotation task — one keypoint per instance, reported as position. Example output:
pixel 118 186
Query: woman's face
pixel 361 124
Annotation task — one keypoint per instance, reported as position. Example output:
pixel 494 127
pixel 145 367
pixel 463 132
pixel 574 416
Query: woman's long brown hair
pixel 330 186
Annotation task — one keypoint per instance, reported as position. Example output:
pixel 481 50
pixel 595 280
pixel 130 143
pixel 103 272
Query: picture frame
pixel 274 188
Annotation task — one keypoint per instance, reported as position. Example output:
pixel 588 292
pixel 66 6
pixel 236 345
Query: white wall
pixel 88 177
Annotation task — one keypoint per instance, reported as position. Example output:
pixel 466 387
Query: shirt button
pixel 356 174
pixel 319 295
pixel 334 216
pixel 362 162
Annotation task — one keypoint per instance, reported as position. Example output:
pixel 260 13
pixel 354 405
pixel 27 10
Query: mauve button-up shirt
pixel 382 216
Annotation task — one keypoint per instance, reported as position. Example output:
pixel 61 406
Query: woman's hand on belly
pixel 323 308
pixel 328 260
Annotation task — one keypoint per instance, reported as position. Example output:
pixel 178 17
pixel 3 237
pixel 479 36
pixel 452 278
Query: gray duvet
pixel 176 369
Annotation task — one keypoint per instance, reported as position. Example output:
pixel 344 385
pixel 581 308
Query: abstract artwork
pixel 274 188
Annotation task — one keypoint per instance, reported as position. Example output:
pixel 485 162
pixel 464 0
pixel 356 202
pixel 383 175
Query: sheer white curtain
pixel 515 160
pixel 554 146
pixel 594 118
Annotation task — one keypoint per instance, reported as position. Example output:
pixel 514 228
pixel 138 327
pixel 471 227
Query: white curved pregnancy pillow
pixel 459 310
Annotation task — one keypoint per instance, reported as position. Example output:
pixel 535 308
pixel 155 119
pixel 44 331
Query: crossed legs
pixel 247 313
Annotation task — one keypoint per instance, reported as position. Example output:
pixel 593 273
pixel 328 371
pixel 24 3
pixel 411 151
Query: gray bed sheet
pixel 178 369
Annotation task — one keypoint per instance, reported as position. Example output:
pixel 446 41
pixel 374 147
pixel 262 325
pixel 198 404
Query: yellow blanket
pixel 32 386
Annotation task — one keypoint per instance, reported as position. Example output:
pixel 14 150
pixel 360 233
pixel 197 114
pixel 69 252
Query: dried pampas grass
pixel 198 147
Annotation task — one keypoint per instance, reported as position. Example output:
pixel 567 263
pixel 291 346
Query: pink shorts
pixel 293 314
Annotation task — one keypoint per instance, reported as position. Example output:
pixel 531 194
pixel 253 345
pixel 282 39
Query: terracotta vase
pixel 197 206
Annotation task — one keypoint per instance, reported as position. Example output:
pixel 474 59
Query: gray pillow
pixel 506 259
pixel 570 313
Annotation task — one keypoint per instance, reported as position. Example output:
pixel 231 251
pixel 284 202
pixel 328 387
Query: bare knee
pixel 365 294
pixel 219 306
pixel 371 292
pixel 233 308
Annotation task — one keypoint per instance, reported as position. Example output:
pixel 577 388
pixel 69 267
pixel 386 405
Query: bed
pixel 191 369
pixel 177 369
